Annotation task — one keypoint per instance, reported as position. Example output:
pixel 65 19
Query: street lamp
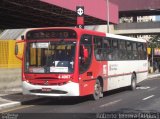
pixel 107 16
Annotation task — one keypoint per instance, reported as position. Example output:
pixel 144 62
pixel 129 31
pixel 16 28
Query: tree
pixel 154 41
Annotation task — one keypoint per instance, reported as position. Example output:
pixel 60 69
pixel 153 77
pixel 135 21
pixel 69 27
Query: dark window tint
pixel 85 53
pixel 98 48
pixel 115 49
pixel 102 48
pixel 122 50
pixel 118 49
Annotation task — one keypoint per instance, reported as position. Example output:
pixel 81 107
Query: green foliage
pixel 154 41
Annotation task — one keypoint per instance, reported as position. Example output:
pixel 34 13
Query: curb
pixel 153 76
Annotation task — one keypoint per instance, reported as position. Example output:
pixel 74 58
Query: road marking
pixel 110 103
pixel 16 104
pixel 148 97
pixel 10 104
pixel 9 110
pixel 143 87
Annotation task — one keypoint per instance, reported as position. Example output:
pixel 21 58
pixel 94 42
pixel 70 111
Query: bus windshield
pixel 50 57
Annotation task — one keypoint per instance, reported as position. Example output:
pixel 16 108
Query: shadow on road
pixel 34 100
pixel 116 91
pixel 72 100
pixel 58 101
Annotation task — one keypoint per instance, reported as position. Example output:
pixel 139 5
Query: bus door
pixel 85 58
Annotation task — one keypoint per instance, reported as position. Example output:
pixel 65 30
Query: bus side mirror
pixel 22 37
pixel 19 45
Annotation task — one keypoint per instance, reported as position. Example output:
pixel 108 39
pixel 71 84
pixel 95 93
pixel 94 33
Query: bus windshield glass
pixel 50 56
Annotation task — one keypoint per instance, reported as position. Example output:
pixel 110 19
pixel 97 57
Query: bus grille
pixel 48 92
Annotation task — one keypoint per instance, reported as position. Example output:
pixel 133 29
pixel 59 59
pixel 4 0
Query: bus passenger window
pixel 115 49
pixel 145 51
pixel 98 48
pixel 122 50
pixel 129 50
pixel 99 55
pixel 135 56
pixel 106 49
pixel 140 51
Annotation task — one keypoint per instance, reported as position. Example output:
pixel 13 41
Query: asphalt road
pixel 146 98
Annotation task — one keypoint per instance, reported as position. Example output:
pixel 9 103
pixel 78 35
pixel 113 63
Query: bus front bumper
pixel 69 89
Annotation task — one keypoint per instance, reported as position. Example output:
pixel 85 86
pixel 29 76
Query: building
pixel 139 19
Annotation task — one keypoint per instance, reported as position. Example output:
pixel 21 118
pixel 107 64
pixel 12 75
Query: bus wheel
pixel 133 82
pixel 97 90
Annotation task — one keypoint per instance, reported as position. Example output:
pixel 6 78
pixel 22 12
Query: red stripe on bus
pixel 116 75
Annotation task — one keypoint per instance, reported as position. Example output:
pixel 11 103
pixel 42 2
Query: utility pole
pixel 107 16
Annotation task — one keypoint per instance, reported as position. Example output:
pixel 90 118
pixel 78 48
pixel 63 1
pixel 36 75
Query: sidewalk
pixel 153 75
pixel 14 97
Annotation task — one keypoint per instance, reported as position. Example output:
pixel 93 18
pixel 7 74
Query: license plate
pixel 46 89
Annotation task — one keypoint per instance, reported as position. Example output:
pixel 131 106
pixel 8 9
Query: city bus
pixel 63 61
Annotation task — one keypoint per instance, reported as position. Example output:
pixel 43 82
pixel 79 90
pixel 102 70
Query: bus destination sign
pixel 49 34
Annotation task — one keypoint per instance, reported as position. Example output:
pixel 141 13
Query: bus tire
pixel 133 82
pixel 98 90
